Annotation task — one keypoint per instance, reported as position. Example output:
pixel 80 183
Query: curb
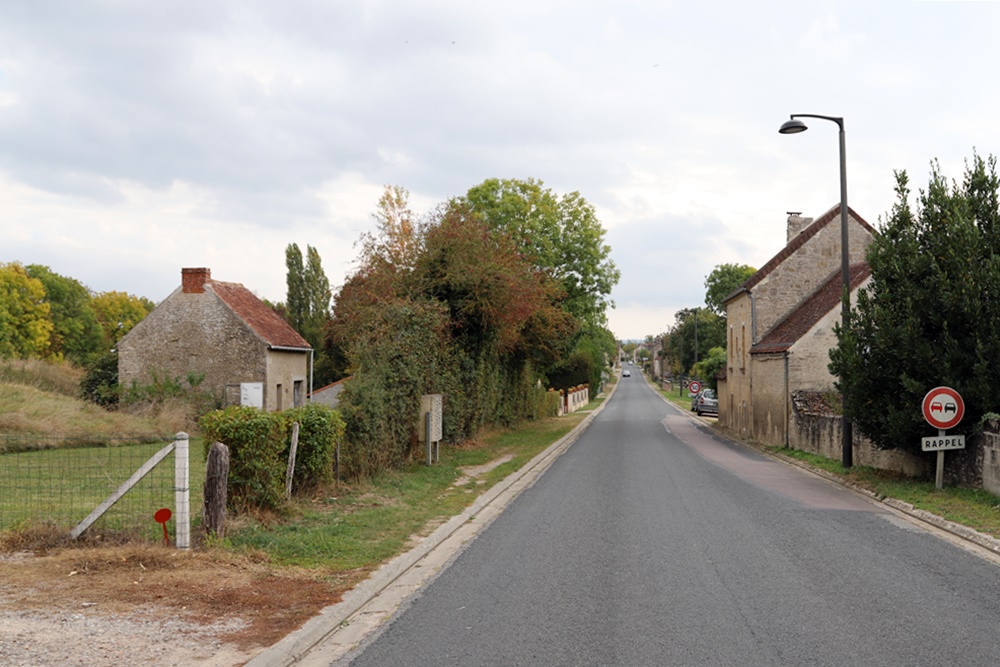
pixel 329 620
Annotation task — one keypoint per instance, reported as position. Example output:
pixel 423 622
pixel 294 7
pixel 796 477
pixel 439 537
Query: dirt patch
pixel 470 473
pixel 226 608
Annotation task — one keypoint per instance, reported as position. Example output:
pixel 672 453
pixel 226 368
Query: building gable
pixel 827 298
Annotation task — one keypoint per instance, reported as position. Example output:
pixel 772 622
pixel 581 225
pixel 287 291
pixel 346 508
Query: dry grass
pixel 42 398
pixel 200 586
pixel 54 376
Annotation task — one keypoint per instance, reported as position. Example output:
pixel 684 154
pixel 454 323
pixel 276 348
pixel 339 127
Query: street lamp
pixel 794 126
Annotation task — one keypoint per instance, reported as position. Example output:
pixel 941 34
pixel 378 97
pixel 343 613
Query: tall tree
pixel 25 326
pixel 317 290
pixel 723 281
pixel 296 299
pixel 562 235
pixel 694 333
pixel 930 314
pixel 307 308
pixel 118 312
pixel 76 333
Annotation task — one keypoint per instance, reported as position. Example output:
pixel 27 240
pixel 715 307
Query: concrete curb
pixel 329 620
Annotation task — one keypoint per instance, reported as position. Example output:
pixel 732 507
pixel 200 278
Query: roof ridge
pixel 800 239
pixel 810 310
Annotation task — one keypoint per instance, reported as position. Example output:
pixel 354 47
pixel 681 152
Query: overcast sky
pixel 137 138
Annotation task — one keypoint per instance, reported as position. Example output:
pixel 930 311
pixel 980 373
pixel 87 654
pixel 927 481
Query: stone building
pixel 248 354
pixel 780 325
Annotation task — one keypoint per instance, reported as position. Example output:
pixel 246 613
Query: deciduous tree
pixel 118 312
pixel 25 327
pixel 561 234
pixel 723 281
pixel 76 333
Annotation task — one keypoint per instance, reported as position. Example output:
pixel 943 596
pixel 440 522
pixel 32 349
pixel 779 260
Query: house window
pixel 278 396
pixel 297 393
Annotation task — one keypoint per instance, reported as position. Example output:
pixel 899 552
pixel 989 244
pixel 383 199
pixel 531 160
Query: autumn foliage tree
pixel 444 305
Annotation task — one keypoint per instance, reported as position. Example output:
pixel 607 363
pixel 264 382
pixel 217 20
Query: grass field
pixel 59 487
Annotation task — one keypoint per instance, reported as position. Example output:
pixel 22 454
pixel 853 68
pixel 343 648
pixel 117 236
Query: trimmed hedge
pixel 321 429
pixel 256 442
pixel 259 444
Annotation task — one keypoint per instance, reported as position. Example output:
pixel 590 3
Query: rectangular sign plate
pixel 941 442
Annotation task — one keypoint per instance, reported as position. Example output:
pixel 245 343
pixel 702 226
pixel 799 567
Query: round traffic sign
pixel 694 386
pixel 943 408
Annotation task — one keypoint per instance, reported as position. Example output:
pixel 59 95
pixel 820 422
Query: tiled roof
pixel 795 244
pixel 802 319
pixel 262 319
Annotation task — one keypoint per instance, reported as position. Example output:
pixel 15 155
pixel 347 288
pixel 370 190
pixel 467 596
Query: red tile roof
pixel 258 315
pixel 795 244
pixel 787 332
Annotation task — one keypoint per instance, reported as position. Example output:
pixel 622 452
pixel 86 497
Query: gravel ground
pixel 89 639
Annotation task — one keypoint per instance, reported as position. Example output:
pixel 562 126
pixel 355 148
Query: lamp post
pixel 794 126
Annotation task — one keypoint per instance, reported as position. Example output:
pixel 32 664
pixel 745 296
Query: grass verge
pixel 345 532
pixel 975 508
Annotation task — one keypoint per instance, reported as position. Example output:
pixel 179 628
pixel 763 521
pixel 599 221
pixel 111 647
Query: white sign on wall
pixel 252 394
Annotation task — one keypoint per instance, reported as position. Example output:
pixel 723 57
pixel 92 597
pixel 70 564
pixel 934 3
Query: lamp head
pixel 793 126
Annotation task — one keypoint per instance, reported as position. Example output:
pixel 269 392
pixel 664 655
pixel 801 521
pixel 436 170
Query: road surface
pixel 653 542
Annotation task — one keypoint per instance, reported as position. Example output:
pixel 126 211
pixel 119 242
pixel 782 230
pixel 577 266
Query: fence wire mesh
pixel 58 482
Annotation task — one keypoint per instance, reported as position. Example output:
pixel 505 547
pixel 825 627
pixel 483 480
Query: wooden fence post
pixel 216 489
pixel 290 469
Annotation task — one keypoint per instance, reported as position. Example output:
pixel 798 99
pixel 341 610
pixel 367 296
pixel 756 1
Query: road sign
pixel 942 442
pixel 943 408
pixel 694 386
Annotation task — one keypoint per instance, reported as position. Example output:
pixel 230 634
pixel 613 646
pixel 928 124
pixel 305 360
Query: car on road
pixel 626 373
pixel 705 402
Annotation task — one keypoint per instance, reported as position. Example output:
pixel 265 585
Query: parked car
pixel 705 403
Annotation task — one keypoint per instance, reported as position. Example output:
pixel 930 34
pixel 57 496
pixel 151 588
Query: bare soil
pixel 150 605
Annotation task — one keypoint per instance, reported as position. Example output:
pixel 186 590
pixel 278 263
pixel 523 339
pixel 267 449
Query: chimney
pixel 193 280
pixel 796 223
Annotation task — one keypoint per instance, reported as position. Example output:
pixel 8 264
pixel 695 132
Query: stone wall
pixel 734 394
pixel 813 428
pixel 990 460
pixel 802 272
pixel 192 332
pixel 770 405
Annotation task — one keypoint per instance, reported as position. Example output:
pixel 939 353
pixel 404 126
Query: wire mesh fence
pixel 58 482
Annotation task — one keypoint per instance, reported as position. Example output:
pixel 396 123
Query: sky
pixel 140 138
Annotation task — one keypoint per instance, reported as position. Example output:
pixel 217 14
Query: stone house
pixel 248 354
pixel 780 325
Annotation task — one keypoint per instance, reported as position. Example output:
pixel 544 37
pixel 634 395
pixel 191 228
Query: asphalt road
pixel 652 542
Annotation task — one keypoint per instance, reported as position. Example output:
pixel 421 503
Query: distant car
pixel 705 403
pixel 626 373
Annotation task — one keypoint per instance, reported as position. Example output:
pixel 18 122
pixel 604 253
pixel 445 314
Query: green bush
pixel 320 430
pixel 256 442
pixel 100 382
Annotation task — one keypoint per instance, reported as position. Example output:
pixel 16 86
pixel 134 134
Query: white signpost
pixel 943 408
